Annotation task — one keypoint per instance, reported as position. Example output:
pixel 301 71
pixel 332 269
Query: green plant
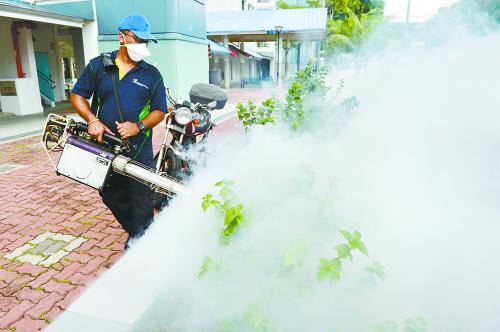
pixel 207 265
pixel 312 81
pixel 331 267
pixel 415 325
pixel 293 111
pixel 253 319
pixel 350 22
pixel 250 115
pixel 232 212
pixel 376 269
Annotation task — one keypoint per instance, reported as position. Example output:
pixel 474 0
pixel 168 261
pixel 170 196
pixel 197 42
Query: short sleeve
pixel 159 97
pixel 86 84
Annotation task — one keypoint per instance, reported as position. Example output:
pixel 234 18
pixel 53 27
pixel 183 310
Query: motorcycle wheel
pixel 172 166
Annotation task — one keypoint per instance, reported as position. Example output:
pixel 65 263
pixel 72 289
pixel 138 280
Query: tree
pixel 350 22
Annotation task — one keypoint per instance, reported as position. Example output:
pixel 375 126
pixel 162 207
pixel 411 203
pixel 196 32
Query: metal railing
pixel 46 86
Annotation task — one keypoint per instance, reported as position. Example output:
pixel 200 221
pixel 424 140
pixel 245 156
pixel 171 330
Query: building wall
pixel 44 41
pixel 185 17
pixel 8 59
pixel 181 63
pixel 181 54
pixel 82 8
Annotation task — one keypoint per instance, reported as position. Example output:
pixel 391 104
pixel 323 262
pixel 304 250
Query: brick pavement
pixel 56 236
pixel 37 204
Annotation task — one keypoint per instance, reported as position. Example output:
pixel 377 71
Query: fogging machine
pixel 87 161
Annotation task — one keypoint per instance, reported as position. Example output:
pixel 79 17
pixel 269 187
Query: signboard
pixel 8 88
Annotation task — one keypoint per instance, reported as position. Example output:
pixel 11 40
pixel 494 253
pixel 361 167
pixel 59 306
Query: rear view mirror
pixel 212 104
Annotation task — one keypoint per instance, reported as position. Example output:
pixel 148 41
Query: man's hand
pixel 127 129
pixel 97 129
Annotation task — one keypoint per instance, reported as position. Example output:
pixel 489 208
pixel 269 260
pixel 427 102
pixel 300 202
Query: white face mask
pixel 137 52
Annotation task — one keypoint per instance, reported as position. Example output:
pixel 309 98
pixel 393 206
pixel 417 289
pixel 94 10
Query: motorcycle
pixel 188 124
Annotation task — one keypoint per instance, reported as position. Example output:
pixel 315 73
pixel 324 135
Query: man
pixel 142 99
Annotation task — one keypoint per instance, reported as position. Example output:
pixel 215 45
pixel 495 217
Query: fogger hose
pixel 126 166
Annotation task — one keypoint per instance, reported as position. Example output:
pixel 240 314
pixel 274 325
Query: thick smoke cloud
pixel 416 169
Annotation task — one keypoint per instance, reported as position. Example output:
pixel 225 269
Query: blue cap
pixel 139 25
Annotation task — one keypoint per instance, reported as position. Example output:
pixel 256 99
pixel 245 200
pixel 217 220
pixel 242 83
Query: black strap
pixel 117 96
pixel 94 105
pixel 111 68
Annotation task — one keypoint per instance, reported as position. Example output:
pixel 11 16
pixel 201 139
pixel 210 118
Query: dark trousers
pixel 130 201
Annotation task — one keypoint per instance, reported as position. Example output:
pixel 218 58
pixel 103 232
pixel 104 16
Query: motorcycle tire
pixel 172 166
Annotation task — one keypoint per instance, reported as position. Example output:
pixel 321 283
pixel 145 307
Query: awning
pixel 238 51
pixel 254 54
pixel 22 11
pixel 262 25
pixel 245 53
pixel 216 49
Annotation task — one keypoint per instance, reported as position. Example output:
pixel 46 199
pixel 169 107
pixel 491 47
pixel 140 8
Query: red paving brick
pixel 44 306
pixel 30 294
pixel 42 278
pixel 53 313
pixel 56 286
pixel 34 200
pixel 15 314
pixel 27 324
pixel 32 270
pixel 16 285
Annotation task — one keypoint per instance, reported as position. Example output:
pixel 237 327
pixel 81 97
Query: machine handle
pixel 111 139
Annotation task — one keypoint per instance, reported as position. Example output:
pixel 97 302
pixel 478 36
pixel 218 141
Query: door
pixel 45 82
pixel 265 64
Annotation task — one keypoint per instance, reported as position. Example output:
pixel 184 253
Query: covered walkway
pixel 291 29
pixel 42 51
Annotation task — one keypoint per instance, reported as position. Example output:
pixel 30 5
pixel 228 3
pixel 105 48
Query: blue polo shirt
pixel 141 90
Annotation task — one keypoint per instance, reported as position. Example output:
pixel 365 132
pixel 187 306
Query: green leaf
pixel 225 192
pixel 377 269
pixel 346 234
pixel 343 251
pixel 207 264
pixel 387 326
pixel 329 268
pixel 362 248
pixel 215 202
pixel 205 204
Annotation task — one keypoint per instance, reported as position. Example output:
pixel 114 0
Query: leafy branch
pixel 224 205
pixel 331 267
pixel 251 115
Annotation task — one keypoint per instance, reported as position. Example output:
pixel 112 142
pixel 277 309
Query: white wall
pixel 90 36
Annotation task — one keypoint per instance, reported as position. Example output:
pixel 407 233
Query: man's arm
pixel 82 107
pixel 84 88
pixel 129 129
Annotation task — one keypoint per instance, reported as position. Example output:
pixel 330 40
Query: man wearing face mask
pixel 131 113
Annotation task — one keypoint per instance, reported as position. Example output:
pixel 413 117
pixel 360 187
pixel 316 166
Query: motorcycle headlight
pixel 183 116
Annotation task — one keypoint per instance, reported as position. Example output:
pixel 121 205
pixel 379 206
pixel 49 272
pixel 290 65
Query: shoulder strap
pixel 111 69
